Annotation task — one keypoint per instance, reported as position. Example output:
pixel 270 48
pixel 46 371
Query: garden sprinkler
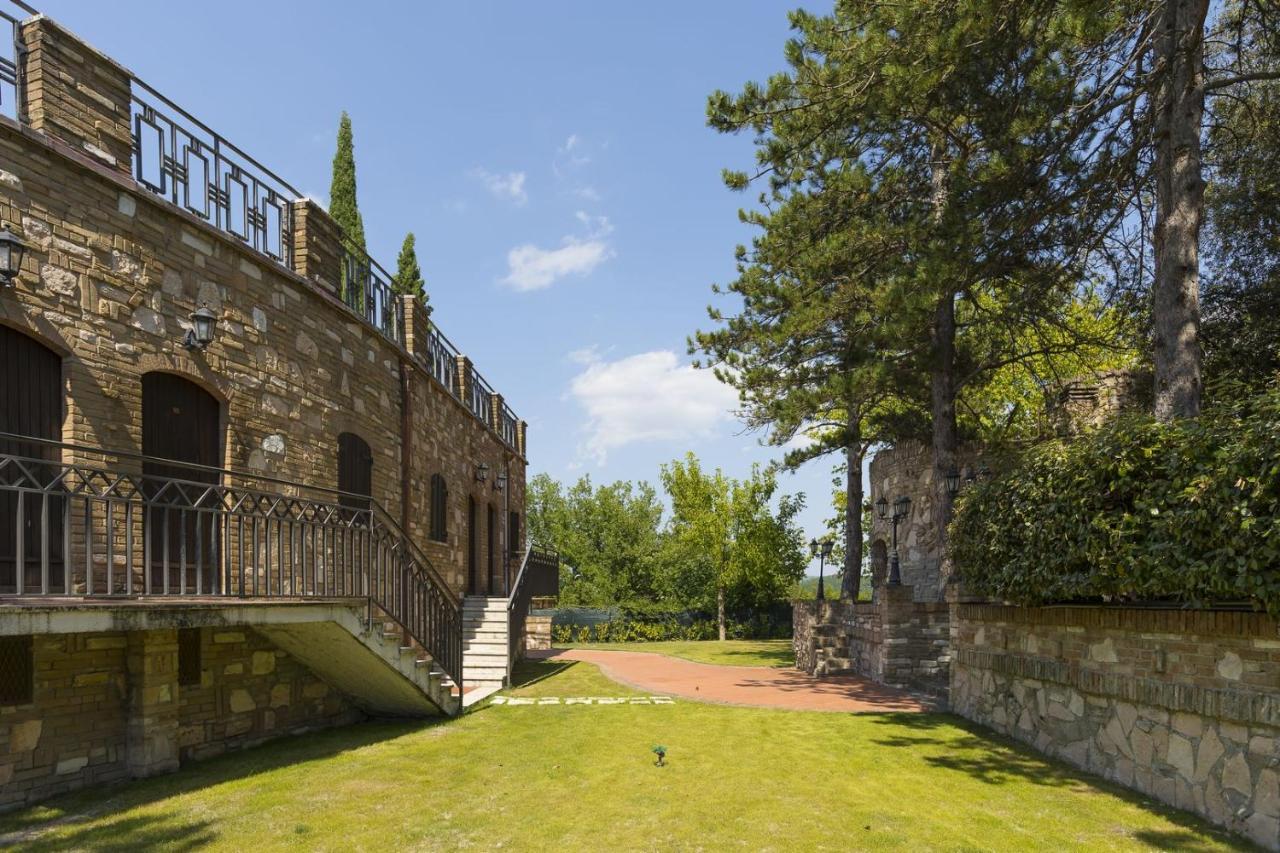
pixel 661 752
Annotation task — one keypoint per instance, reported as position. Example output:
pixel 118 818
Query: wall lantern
pixel 11 251
pixel 953 482
pixel 882 508
pixel 203 324
pixel 482 472
pixel 500 481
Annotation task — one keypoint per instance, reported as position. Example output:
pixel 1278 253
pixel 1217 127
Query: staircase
pixel 831 651
pixel 484 642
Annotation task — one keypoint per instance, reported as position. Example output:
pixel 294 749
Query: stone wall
pixel 1183 706
pixel 893 640
pixel 90 689
pixel 537 633
pixel 112 272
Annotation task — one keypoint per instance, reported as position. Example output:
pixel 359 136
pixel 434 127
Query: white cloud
pixel 650 396
pixel 508 187
pixel 532 268
pixel 586 355
pixel 597 226
pixel 587 193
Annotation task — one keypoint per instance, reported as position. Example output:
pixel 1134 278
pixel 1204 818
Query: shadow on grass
pixel 130 834
pixel 530 671
pixel 995 759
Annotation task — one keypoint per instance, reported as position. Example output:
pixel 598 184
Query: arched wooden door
pixel 30 405
pixel 181 423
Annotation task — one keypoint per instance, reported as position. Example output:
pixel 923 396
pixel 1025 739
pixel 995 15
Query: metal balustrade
pixel 479 396
pixel 10 50
pixel 508 426
pixel 539 576
pixel 366 289
pixel 111 529
pixel 442 361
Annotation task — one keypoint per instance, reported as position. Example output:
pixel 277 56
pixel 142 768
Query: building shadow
pixel 130 834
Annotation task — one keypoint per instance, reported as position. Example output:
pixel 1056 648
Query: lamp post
pixel 821 550
pixel 11 251
pixel 901 509
pixel 203 324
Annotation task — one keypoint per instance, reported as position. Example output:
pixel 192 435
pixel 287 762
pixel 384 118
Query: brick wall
pixel 1183 706
pixel 75 732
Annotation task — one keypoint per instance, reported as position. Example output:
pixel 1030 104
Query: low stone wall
pixel 537 633
pixel 894 640
pixel 1183 706
pixel 82 727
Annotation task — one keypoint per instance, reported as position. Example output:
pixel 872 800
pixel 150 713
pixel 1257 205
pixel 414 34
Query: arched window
pixel 355 471
pixel 439 508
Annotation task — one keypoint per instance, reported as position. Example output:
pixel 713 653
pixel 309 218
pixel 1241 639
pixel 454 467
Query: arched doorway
pixel 30 405
pixel 181 423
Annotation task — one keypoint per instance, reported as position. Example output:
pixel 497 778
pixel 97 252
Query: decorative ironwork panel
pixel 480 396
pixel 442 360
pixel 10 46
pixel 366 288
pixel 508 427
pixel 178 158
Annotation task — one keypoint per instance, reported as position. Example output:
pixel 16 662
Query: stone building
pixel 245 489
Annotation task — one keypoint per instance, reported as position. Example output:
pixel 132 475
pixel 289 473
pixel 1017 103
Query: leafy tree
pixel 408 278
pixel 608 537
pixel 342 189
pixel 725 539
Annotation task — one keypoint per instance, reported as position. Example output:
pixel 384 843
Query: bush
pixel 676 626
pixel 1134 511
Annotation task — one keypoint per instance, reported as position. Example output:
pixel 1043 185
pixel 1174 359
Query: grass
pixel 726 653
pixel 576 777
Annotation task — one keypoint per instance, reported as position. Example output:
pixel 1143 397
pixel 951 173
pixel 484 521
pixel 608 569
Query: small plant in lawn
pixel 660 751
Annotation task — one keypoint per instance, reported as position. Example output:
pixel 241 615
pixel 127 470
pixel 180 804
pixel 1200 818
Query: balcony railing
pixel 480 396
pixel 442 361
pixel 10 49
pixel 114 528
pixel 539 577
pixel 508 428
pixel 366 289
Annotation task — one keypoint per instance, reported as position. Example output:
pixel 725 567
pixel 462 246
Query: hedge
pixel 1134 511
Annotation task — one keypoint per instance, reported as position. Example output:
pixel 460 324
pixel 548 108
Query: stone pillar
pixel 495 412
pixel 464 380
pixel 897 624
pixel 417 327
pixel 317 246
pixel 522 435
pixel 76 94
pixel 151 660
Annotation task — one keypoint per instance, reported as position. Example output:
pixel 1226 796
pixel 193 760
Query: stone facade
pixel 894 640
pixel 537 633
pixel 113 271
pixel 1183 706
pixel 103 701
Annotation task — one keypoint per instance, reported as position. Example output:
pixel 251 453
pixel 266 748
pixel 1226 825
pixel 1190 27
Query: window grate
pixel 17 670
pixel 189 663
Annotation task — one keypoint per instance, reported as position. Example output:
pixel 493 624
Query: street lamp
pixel 821 550
pixel 952 479
pixel 901 509
pixel 11 251
pixel 482 472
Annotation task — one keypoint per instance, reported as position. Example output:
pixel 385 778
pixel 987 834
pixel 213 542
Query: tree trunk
pixel 720 612
pixel 942 378
pixel 853 520
pixel 1175 293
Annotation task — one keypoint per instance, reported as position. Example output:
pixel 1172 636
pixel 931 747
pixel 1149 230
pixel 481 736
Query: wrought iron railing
pixel 117 528
pixel 508 426
pixel 366 289
pixel 539 577
pixel 479 396
pixel 10 51
pixel 442 360
pixel 180 159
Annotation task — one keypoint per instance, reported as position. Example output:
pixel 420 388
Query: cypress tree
pixel 408 279
pixel 342 191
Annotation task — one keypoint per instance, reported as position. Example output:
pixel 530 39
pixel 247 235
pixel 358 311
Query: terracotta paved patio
pixel 759 686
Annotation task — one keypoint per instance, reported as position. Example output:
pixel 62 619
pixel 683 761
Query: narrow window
pixel 17 670
pixel 439 509
pixel 514 544
pixel 189 664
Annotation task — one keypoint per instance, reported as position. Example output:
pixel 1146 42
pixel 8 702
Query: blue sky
pixel 554 162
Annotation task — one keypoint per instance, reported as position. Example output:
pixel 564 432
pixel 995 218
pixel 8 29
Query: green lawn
pixel 582 777
pixel 729 652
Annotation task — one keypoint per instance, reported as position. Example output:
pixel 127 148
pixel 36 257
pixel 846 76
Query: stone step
pixel 477 674
pixel 496 661
pixel 484 648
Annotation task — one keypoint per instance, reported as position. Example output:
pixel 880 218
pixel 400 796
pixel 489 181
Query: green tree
pixel 343 206
pixel 725 540
pixel 608 537
pixel 408 278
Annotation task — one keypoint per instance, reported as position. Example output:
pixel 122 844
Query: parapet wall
pixel 1183 706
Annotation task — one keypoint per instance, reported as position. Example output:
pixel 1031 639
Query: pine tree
pixel 342 190
pixel 408 279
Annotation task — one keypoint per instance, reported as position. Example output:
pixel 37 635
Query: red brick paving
pixel 758 686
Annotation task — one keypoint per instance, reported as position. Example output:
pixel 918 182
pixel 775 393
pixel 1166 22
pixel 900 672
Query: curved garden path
pixel 759 686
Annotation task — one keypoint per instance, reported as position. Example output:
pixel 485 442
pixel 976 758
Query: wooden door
pixel 181 423
pixel 491 543
pixel 30 405
pixel 355 471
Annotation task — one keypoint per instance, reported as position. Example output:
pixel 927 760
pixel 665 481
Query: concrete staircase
pixel 369 663
pixel 831 651
pixel 484 642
